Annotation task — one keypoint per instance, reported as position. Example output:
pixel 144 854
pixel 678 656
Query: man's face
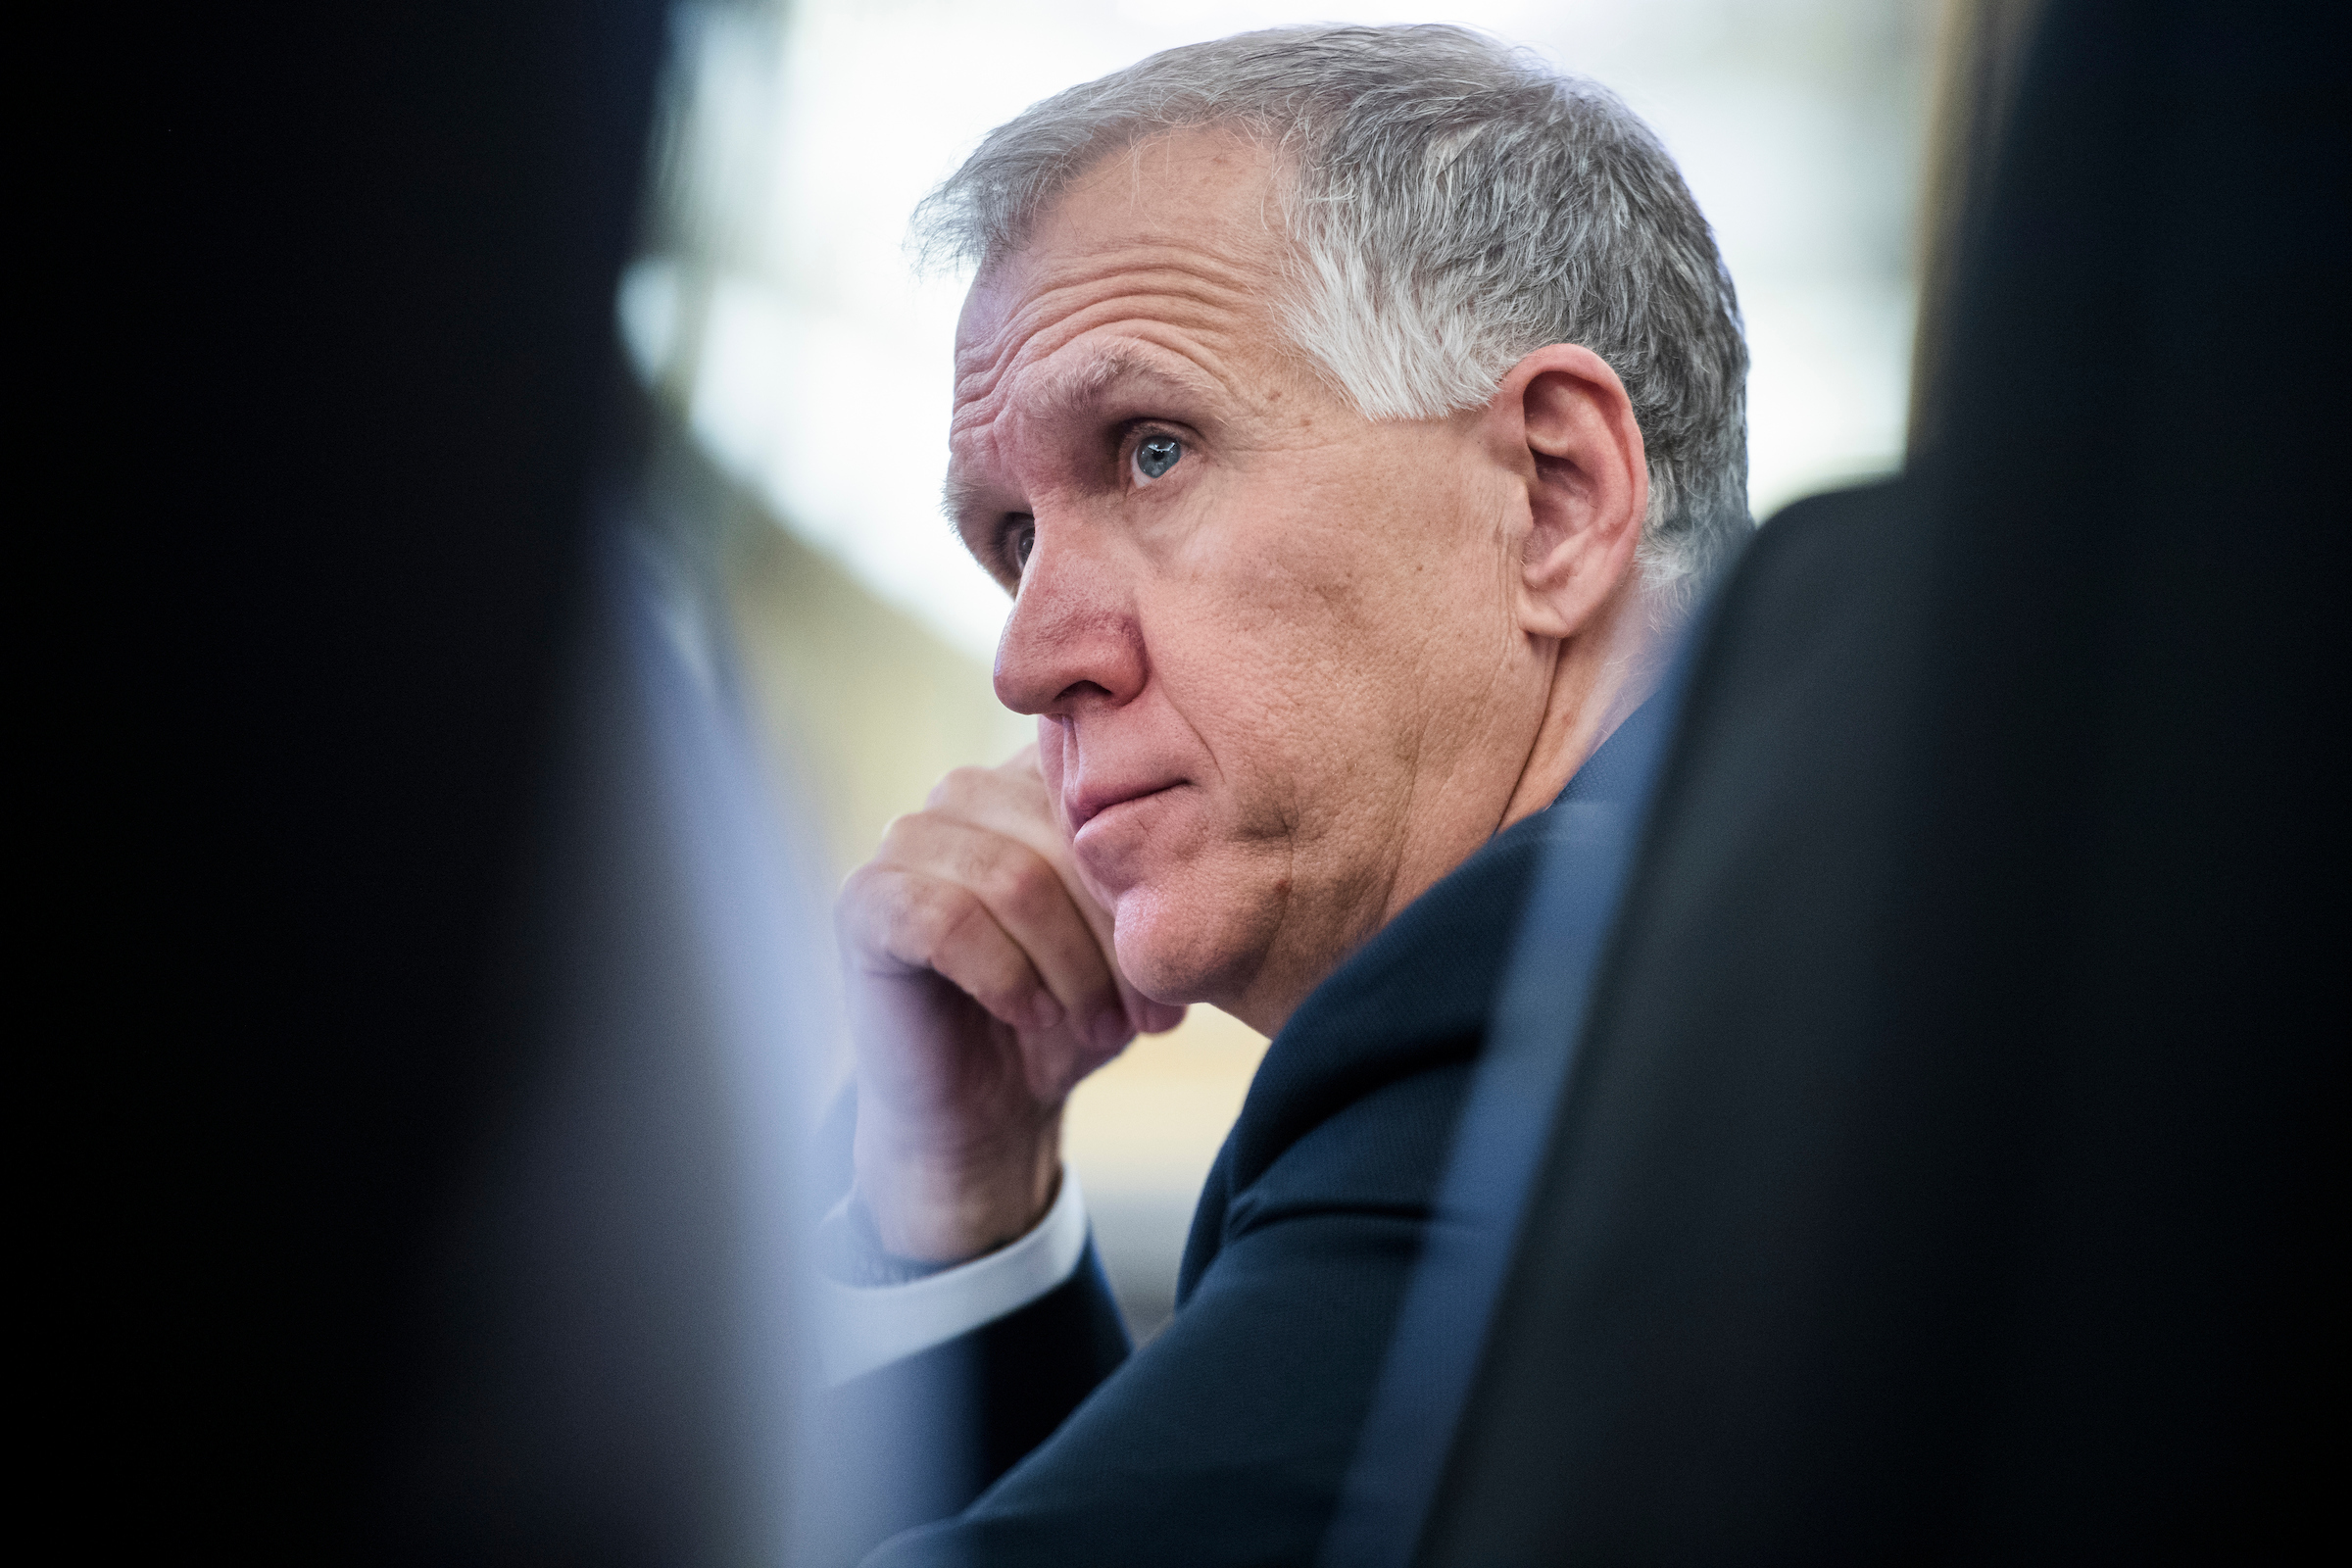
pixel 1280 686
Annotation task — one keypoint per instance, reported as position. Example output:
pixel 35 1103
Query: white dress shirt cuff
pixel 867 1327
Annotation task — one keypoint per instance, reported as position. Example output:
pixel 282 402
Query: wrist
pixel 941 1199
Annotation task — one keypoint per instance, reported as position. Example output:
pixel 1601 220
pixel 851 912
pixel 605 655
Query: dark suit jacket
pixel 1227 1437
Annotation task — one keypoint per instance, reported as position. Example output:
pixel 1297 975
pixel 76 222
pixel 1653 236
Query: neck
pixel 1600 676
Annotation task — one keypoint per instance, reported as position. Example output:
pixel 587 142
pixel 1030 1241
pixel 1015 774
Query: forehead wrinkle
pixel 1075 388
pixel 1167 275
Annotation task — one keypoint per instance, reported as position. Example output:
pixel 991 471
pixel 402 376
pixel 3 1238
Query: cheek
pixel 1301 625
pixel 1277 676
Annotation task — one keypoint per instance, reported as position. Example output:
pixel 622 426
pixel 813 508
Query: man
pixel 1350 413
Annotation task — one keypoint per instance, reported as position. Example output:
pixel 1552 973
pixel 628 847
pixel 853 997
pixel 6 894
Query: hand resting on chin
pixel 982 987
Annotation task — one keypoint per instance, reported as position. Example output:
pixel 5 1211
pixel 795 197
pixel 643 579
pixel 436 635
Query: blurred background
pixel 800 370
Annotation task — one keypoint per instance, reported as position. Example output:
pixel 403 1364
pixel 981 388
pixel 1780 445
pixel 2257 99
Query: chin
pixel 1182 944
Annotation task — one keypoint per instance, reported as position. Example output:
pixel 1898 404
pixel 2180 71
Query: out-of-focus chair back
pixel 1937 1176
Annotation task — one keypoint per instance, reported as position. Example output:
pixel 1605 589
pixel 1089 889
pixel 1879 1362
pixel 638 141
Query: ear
pixel 1561 420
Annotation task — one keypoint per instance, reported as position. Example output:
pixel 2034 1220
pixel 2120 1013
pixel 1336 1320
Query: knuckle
pixel 960 784
pixel 956 932
pixel 932 914
pixel 1027 886
pixel 899 836
pixel 865 894
pixel 892 911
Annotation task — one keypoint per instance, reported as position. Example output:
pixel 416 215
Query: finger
pixel 1013 800
pixel 896 921
pixel 895 924
pixel 1032 903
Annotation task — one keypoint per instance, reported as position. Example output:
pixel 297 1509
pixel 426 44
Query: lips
pixel 1091 802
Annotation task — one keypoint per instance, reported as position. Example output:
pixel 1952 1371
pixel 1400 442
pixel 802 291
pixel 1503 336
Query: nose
pixel 1072 639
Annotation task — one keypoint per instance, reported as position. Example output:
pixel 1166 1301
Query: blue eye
pixel 1156 454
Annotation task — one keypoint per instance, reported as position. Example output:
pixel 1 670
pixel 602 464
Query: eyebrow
pixel 1115 368
pixel 1120 366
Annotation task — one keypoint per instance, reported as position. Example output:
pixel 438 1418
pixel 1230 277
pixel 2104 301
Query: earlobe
pixel 1578 449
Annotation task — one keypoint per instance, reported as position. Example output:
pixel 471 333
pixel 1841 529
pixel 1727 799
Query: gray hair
pixel 1455 205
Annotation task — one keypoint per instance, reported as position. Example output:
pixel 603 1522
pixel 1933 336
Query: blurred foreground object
pixel 477 1247
pixel 1935 1175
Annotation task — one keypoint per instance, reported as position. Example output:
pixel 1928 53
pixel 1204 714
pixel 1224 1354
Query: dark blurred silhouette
pixel 478 1242
pixel 1935 1174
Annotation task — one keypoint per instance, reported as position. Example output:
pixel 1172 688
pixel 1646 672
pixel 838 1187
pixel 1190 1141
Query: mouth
pixel 1087 807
